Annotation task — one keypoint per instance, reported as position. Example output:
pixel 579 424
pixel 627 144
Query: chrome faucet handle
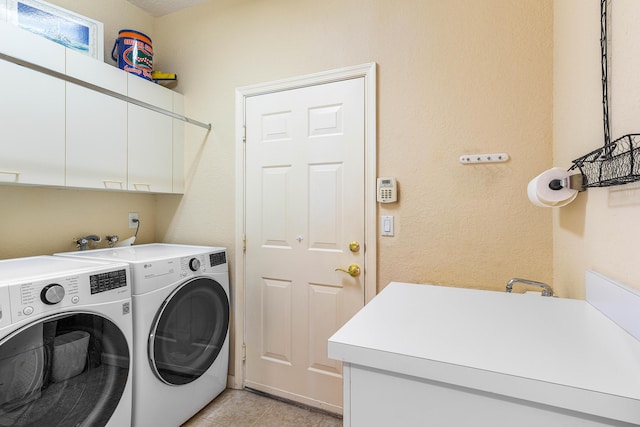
pixel 112 239
pixel 82 242
pixel 546 289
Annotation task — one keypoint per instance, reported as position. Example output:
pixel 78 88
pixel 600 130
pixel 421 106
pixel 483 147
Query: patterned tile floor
pixel 241 408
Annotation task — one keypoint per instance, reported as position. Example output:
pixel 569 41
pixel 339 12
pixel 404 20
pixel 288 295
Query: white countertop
pixel 554 351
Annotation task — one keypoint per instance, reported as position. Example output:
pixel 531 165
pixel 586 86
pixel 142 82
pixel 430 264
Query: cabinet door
pixel 150 136
pixel 96 126
pixel 31 110
pixel 31 127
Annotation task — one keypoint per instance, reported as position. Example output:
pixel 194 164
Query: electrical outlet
pixel 133 219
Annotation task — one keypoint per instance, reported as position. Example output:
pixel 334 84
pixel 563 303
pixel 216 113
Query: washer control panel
pixel 41 296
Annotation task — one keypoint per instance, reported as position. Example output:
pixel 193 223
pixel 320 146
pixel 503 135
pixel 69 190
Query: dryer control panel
pixel 157 272
pixel 192 264
pixel 204 263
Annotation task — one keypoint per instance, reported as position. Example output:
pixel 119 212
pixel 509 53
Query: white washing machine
pixel 66 341
pixel 181 328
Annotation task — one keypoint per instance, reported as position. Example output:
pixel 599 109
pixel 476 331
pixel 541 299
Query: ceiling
pixel 164 7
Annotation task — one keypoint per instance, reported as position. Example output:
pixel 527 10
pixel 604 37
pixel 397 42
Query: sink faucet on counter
pixel 546 289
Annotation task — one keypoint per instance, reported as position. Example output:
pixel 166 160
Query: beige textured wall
pixel 42 221
pixel 600 229
pixel 454 77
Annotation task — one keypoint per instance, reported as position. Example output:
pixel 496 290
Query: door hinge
pixel 244 352
pixel 244 243
pixel 244 134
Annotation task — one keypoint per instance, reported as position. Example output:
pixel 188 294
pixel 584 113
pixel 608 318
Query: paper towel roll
pixel 541 195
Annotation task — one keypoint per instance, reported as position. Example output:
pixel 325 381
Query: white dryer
pixel 181 328
pixel 66 341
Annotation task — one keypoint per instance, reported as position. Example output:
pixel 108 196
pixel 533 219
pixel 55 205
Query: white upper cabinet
pixel 150 136
pixel 32 128
pixel 62 133
pixel 96 149
pixel 22 44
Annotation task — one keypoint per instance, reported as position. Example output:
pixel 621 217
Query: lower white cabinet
pixel 32 127
pixel 383 398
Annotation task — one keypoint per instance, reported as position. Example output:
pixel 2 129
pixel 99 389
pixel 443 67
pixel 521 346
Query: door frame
pixel 366 71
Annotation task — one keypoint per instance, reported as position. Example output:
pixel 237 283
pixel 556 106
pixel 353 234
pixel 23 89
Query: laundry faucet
pixel 82 242
pixel 546 289
pixel 112 240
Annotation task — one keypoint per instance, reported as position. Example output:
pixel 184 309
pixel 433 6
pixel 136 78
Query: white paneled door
pixel 305 218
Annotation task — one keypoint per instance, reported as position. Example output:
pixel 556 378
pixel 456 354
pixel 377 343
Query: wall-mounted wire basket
pixel 616 163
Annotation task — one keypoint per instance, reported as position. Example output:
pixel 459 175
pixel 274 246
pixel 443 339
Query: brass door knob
pixel 354 247
pixel 353 270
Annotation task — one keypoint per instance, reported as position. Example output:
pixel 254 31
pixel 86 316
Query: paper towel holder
pixel 573 182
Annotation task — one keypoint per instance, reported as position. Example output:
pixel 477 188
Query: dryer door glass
pixel 189 331
pixel 64 370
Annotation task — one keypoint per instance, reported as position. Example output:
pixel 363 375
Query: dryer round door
pixel 64 370
pixel 189 331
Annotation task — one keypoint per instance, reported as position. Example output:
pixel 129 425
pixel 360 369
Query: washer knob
pixel 52 294
pixel 194 264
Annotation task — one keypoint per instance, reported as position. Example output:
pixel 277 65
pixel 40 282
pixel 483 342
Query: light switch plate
pixel 386 226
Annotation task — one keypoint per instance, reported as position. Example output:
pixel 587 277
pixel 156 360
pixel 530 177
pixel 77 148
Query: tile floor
pixel 242 408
